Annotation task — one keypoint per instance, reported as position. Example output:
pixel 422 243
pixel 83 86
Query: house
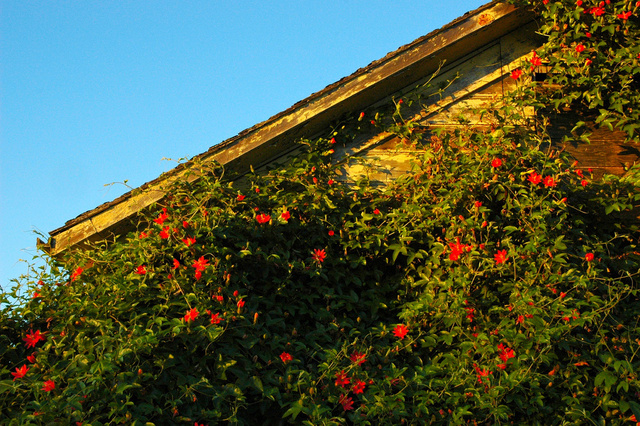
pixel 473 57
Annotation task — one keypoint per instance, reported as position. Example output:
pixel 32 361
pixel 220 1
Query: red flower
pixel 515 74
pixel 189 241
pixel 579 3
pixel 143 235
pixel 219 298
pixel 185 224
pixel 286 215
pixel 588 62
pixel 342 379
pixel 198 275
pixel 48 386
pixel 164 234
pixel 535 61
pixel 142 269
pixel 162 217
pixel 535 178
pixel 361 116
pixel 330 182
pixel 563 295
pixel 240 197
pixel 545 1
pixel 505 353
pixel 215 318
pixel 286 357
pixel 36 294
pixel 584 182
pixel 549 182
pixel 20 372
pixel 332 141
pixel 400 331
pixel 32 358
pixel 357 358
pixel 33 338
pixel 478 204
pixel 191 315
pixel 588 257
pixel 176 264
pixel 347 403
pixel 580 48
pixel 480 373
pixel 76 274
pixel 263 218
pixel 501 256
pixel 457 249
pixel 319 255
pixel 376 212
pixel 201 264
pixel 358 386
pixel 331 233
pixel 520 319
pixel 257 190
pixel 496 163
pixel 625 15
pixel 240 303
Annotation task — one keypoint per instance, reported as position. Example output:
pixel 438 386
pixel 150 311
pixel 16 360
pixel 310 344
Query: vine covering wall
pixel 496 282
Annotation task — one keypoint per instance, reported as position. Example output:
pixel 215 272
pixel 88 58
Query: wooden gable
pixel 473 57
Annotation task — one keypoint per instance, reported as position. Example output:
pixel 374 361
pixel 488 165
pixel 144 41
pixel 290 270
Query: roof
pixel 276 136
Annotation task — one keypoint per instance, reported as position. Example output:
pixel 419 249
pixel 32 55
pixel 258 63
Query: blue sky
pixel 96 92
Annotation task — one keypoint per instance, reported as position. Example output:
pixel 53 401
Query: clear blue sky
pixel 95 92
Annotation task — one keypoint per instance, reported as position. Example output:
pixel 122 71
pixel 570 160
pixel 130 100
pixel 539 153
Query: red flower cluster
pixel 342 379
pixel 358 386
pixel 162 217
pixel 347 403
pixel 164 234
pixel 357 358
pixel 505 353
pixel 625 15
pixel 286 357
pixel 189 241
pixel 535 60
pixel 535 178
pixel 215 318
pixel 457 249
pixel 200 265
pixel 76 274
pixel 263 218
pixel 33 338
pixel 191 315
pixel 480 373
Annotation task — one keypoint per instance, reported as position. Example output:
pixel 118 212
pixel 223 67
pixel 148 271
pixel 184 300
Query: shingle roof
pixel 273 137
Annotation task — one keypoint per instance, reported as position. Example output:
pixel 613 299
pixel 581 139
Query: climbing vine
pixel 495 282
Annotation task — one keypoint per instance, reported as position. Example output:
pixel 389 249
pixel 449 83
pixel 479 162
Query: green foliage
pixel 495 282
pixel 591 59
